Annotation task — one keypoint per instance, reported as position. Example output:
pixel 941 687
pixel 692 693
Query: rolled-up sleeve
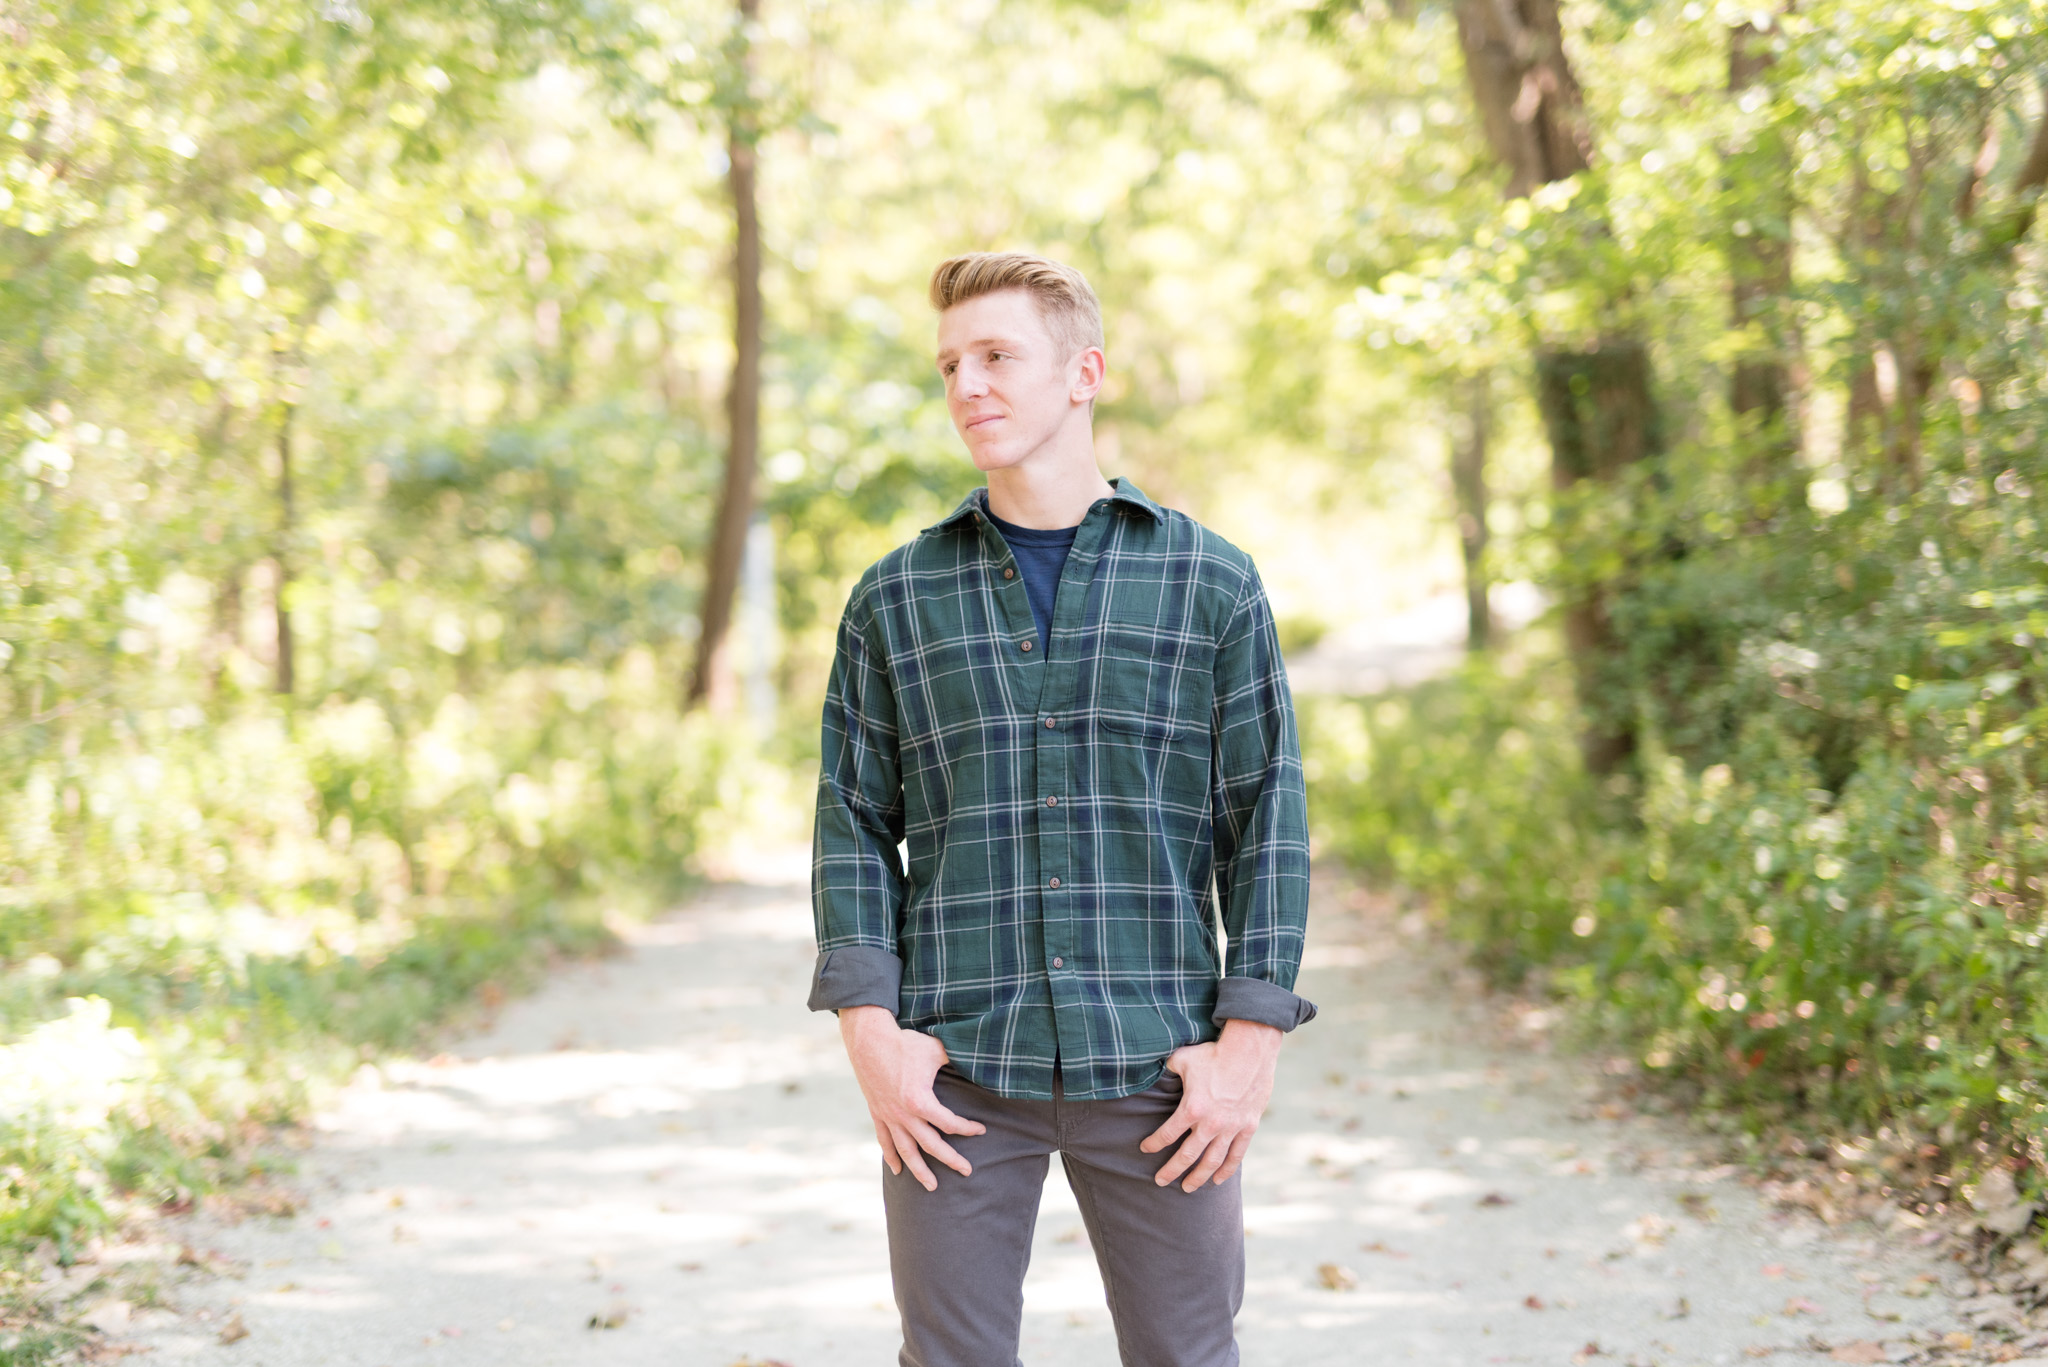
pixel 1261 821
pixel 857 876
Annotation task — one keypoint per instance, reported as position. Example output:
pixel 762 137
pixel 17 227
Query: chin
pixel 988 458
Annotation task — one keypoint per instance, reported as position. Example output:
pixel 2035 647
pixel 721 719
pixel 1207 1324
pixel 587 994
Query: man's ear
pixel 1089 374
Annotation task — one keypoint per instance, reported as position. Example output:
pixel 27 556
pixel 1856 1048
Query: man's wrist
pixel 1252 1035
pixel 860 1019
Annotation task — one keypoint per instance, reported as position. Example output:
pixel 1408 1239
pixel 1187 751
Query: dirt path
pixel 667 1143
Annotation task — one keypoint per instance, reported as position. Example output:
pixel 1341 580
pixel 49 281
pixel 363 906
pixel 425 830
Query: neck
pixel 1054 488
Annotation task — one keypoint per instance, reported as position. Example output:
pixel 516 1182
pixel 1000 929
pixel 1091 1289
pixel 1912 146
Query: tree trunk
pixel 711 681
pixel 1599 418
pixel 1528 99
pixel 286 522
pixel 1760 276
pixel 1595 397
pixel 227 628
pixel 1468 487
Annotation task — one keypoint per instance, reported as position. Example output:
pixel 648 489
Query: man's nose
pixel 969 383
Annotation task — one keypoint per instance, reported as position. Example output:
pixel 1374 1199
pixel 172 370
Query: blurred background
pixel 437 438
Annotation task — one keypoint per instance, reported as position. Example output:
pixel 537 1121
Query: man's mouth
pixel 983 420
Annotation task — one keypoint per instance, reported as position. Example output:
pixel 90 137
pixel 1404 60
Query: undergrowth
pixel 199 933
pixel 1789 959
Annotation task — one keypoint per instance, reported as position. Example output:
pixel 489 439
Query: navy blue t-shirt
pixel 1041 554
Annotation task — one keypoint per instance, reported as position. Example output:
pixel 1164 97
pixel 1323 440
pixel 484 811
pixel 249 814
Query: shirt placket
pixel 1058 735
pixel 1010 613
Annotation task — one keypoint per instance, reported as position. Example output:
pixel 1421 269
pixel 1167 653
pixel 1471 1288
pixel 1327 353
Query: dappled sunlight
pixel 700 1168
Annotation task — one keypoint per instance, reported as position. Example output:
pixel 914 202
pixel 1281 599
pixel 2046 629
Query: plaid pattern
pixel 1071 814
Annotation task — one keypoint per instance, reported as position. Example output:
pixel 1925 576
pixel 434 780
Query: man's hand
pixel 895 1068
pixel 1225 1087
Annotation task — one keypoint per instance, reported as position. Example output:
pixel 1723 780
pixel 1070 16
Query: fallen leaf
pixel 234 1331
pixel 611 1317
pixel 1587 1353
pixel 1774 1269
pixel 1376 1246
pixel 1678 1311
pixel 1337 1277
pixel 1534 1302
pixel 1863 1350
pixel 1958 1339
pixel 1696 1204
pixel 1800 1305
pixel 1494 1198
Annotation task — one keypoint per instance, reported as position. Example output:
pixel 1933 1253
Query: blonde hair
pixel 1069 307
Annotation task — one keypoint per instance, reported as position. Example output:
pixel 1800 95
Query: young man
pixel 1069 703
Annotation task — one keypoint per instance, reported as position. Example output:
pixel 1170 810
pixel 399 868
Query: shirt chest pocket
pixel 1157 689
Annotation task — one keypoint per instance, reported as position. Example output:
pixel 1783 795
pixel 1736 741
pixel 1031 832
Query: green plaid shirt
pixel 1072 815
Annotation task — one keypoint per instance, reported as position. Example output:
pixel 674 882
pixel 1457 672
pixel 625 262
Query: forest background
pixel 436 439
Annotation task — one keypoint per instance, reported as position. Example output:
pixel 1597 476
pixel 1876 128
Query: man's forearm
pixel 856 1022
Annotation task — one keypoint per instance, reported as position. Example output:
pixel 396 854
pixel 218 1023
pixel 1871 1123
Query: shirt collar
pixel 1127 493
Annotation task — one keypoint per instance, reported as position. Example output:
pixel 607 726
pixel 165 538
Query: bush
pixel 1782 951
pixel 223 919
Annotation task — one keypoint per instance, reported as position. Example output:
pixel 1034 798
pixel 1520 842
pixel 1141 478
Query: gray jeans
pixel 1172 1262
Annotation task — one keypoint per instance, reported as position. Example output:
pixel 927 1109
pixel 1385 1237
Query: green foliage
pixel 354 458
pixel 1816 898
pixel 1813 895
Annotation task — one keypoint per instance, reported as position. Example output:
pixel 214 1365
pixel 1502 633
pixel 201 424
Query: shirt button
pixel 1009 574
pixel 1048 723
pixel 1058 962
pixel 1023 645
pixel 1052 802
pixel 1055 883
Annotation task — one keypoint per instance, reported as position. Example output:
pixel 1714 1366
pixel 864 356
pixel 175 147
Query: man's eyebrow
pixel 976 345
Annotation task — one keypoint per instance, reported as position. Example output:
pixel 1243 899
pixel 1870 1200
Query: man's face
pixel 1009 384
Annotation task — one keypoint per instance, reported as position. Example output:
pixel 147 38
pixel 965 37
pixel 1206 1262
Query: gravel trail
pixel 662 1158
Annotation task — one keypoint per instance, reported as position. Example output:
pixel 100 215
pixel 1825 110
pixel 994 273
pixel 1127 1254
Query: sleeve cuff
pixel 858 975
pixel 1264 1003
